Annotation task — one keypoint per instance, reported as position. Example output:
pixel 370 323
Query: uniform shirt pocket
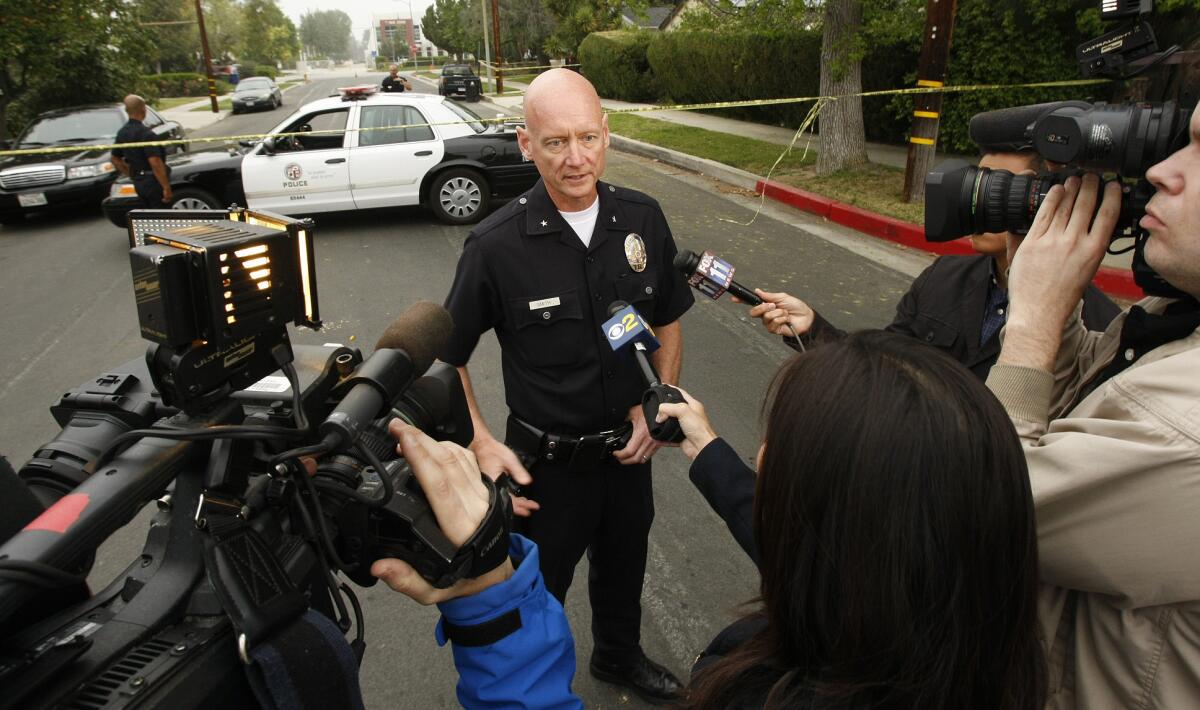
pixel 936 333
pixel 549 328
pixel 639 290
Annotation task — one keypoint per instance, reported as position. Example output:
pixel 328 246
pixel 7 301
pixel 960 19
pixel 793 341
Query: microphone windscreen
pixel 421 331
pixel 615 307
pixel 686 261
pixel 1006 130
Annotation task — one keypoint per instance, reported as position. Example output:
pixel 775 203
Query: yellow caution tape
pixel 510 67
pixel 921 141
pixel 819 101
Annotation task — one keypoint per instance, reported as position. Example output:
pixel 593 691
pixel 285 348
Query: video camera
pixel 1074 136
pixel 213 425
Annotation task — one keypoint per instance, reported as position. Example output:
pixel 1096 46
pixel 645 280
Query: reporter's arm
pixel 727 483
pixel 530 667
pixel 720 475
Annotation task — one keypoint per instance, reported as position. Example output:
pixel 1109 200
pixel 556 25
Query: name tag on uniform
pixel 544 303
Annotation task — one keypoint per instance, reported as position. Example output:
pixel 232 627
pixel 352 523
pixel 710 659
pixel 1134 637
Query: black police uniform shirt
pixel 135 131
pixel 526 274
pixel 393 85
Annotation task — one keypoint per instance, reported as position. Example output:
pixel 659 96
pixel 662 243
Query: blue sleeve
pixel 530 668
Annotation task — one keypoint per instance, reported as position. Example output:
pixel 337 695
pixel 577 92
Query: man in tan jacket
pixel 1116 480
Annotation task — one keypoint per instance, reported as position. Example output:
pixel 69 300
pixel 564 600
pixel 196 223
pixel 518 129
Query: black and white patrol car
pixel 365 150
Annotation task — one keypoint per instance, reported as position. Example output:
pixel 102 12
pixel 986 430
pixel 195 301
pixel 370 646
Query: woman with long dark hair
pixel 892 522
pixel 893 525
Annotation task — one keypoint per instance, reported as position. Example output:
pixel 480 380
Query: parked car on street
pixel 53 181
pixel 459 80
pixel 365 150
pixel 255 93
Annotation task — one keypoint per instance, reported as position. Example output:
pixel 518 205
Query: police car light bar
pixel 357 93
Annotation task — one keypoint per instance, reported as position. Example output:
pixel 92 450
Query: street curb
pixel 1114 282
pixel 725 173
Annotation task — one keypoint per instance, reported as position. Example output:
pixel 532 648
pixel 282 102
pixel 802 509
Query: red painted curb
pixel 1114 282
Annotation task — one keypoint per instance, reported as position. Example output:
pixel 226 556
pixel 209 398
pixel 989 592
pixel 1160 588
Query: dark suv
pixel 458 81
pixel 51 181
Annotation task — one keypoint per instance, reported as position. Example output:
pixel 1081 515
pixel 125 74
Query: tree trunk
pixel 843 140
pixel 4 118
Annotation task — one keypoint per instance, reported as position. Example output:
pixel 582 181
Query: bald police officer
pixel 144 166
pixel 541 272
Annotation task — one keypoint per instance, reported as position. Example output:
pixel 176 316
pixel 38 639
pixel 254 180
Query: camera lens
pixel 962 199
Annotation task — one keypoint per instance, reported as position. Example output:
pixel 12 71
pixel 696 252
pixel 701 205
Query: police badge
pixel 635 252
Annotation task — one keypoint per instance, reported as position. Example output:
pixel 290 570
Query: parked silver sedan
pixel 257 92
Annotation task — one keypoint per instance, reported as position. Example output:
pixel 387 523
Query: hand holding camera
pixel 1054 263
pixel 450 477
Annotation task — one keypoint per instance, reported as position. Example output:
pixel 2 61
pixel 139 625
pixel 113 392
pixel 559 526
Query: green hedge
pixel 266 70
pixel 617 64
pixel 736 66
pixel 180 84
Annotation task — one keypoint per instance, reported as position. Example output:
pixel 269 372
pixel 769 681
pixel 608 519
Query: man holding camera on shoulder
pixel 957 304
pixel 1116 481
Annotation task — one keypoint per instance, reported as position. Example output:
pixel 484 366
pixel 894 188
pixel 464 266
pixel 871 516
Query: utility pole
pixel 499 54
pixel 487 48
pixel 212 82
pixel 931 73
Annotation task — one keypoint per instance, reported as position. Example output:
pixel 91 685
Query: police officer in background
pixel 542 272
pixel 394 83
pixel 144 166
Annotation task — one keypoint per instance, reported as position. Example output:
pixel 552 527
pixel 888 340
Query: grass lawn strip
pixel 878 188
pixel 223 104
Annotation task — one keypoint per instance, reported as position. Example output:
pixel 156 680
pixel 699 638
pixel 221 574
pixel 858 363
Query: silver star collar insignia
pixel 545 223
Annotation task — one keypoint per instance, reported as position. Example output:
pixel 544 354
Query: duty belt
pixel 573 449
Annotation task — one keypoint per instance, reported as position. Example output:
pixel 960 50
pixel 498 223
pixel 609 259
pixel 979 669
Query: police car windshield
pixel 77 127
pixel 253 84
pixel 466 115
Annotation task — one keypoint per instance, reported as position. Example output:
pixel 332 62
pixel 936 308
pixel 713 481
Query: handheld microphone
pixel 405 351
pixel 625 329
pixel 712 276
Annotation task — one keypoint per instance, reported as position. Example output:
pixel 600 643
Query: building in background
pixel 385 27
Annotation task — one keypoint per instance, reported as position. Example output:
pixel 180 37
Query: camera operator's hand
pixel 694 422
pixel 495 459
pixel 1053 265
pixel 779 310
pixel 641 446
pixel 449 475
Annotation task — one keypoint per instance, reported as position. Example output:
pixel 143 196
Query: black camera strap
pixel 291 653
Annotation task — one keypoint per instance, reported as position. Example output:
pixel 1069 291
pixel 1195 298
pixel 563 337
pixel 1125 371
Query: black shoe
pixel 650 681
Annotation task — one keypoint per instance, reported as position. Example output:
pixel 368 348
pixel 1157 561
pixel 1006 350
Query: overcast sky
pixel 360 11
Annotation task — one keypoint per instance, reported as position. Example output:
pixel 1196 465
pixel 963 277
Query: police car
pixel 357 150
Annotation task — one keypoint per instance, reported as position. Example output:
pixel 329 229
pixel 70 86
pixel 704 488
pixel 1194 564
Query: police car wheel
pixel 459 196
pixel 190 198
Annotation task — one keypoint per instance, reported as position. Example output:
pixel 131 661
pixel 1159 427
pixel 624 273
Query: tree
pixel 174 47
pixel 843 138
pixel 453 25
pixel 268 36
pixel 223 23
pixel 525 26
pixel 326 33
pixel 576 19
pixel 393 48
pixel 45 46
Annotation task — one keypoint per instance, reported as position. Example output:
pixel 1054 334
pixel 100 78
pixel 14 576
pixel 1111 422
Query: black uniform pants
pixel 605 510
pixel 148 190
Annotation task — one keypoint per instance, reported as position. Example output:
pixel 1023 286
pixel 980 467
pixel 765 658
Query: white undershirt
pixel 584 222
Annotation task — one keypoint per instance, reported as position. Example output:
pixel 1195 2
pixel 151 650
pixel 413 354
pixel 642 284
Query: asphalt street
pixel 69 316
